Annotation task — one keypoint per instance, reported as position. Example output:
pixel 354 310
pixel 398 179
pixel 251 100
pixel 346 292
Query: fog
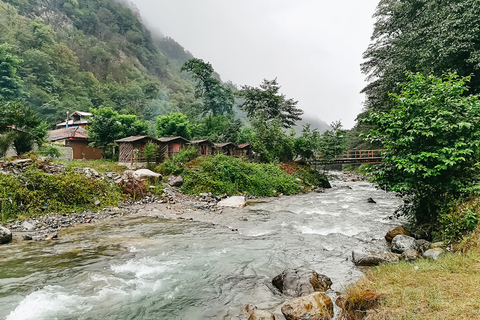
pixel 313 47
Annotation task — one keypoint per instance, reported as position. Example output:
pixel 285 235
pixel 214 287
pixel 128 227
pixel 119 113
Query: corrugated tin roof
pixel 243 145
pixel 201 141
pixel 168 139
pixel 133 138
pixel 81 113
pixel 65 133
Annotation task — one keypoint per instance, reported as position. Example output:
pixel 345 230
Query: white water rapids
pixel 150 268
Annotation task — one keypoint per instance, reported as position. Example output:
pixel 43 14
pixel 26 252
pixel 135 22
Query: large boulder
pixel 175 181
pixel 234 202
pixel 5 235
pixel 392 233
pixel 402 242
pixel 373 258
pixel 297 282
pixel 145 174
pixel 316 306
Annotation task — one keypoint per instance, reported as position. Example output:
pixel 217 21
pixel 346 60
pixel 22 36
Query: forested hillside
pixel 74 55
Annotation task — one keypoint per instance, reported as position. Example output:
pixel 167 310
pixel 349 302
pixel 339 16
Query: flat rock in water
pixel 316 306
pixel 402 243
pixel 5 235
pixel 374 258
pixel 297 282
pixel 234 202
pixel 433 253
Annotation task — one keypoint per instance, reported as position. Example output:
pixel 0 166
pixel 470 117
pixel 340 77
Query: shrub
pixel 228 175
pixel 50 151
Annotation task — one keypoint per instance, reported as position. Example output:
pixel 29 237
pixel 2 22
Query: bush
pixel 50 151
pixel 228 175
pixel 34 192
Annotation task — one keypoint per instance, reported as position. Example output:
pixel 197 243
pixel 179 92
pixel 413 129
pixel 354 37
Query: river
pixel 151 268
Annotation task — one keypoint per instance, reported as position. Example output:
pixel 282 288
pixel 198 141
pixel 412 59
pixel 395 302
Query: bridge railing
pixel 355 154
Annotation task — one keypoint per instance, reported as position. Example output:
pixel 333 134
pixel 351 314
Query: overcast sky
pixel 313 47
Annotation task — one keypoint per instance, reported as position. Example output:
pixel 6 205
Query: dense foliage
pixel 432 144
pixel 228 175
pixel 34 192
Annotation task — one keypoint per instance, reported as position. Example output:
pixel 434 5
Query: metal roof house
pixel 244 150
pixel 77 139
pixel 172 145
pixel 127 156
pixel 204 147
pixel 226 148
pixel 79 119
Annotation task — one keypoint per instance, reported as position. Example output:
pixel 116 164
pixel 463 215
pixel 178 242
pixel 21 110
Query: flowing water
pixel 150 268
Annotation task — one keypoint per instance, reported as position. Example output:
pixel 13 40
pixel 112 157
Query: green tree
pixel 306 145
pixel 270 141
pixel 333 142
pixel 10 83
pixel 269 103
pixel 217 98
pixel 107 126
pixel 219 128
pixel 432 143
pixel 429 37
pixel 172 125
pixel 150 152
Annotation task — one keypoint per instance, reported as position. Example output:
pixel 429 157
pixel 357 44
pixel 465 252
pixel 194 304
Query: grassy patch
pixel 443 289
pixel 101 166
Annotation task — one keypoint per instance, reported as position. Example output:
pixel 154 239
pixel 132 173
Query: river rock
pixel 28 226
pixel 297 282
pixel 145 174
pixel 234 202
pixel 175 181
pixel 5 235
pixel 316 306
pixel 402 242
pixel 437 245
pixel 422 245
pixel 370 200
pixel 433 253
pixel 392 233
pixel 374 258
pixel 410 255
pixel 256 314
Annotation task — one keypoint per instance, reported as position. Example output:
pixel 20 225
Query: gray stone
pixel 402 242
pixel 316 306
pixel 374 258
pixel 97 202
pixel 422 245
pixel 410 255
pixel 28 226
pixel 5 235
pixel 234 202
pixel 175 181
pixel 297 282
pixel 433 253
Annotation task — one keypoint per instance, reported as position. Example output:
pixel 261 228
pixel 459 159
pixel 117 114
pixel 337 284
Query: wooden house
pixel 75 138
pixel 204 147
pixel 244 150
pixel 173 145
pixel 79 119
pixel 127 146
pixel 226 148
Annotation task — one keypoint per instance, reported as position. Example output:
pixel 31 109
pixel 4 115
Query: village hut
pixel 79 119
pixel 204 147
pixel 173 145
pixel 244 150
pixel 226 148
pixel 127 155
pixel 74 143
